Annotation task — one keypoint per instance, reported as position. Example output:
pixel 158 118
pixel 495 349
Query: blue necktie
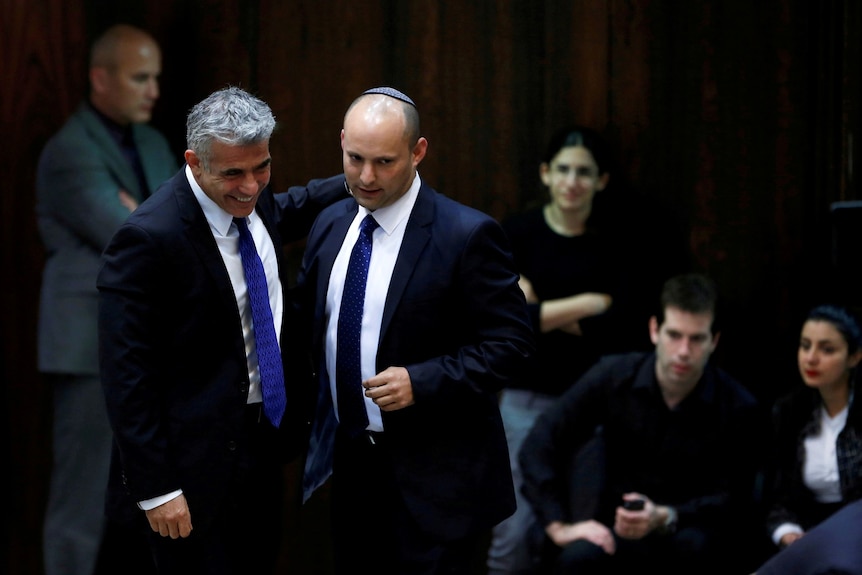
pixel 266 342
pixel 348 375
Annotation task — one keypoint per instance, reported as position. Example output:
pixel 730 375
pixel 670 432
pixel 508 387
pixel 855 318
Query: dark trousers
pixel 245 534
pixel 373 531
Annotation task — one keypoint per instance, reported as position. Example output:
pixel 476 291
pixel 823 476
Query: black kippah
pixel 392 93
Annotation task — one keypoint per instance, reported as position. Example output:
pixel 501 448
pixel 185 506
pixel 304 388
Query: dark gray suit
pixel 80 173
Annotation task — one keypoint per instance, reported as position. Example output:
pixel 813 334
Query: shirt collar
pixel 121 134
pixel 703 391
pixel 219 220
pixel 391 216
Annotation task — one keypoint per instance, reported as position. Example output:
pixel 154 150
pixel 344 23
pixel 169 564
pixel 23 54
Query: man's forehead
pixel 685 321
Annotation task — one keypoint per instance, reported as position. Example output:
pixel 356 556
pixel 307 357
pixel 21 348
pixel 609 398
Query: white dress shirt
pixel 384 252
pixel 226 236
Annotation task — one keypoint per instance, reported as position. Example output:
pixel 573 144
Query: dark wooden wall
pixel 732 117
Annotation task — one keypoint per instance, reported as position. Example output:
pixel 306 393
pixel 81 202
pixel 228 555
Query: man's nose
pixel 153 89
pixel 367 175
pixel 249 183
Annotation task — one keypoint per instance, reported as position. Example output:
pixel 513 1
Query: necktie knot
pixel 368 225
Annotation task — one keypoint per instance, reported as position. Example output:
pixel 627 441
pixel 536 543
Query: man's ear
pixel 193 160
pixel 419 151
pixel 99 79
pixel 653 329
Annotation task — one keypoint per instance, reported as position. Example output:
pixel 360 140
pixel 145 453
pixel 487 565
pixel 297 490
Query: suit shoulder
pixel 73 132
pixel 337 209
pixel 149 136
pixel 448 205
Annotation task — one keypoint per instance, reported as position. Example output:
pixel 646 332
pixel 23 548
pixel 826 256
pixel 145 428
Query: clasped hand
pixel 390 389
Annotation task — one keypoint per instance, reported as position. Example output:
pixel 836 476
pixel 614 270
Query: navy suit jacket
pixel 456 319
pixel 834 547
pixel 172 356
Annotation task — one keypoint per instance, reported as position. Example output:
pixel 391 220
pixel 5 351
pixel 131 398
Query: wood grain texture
pixel 732 118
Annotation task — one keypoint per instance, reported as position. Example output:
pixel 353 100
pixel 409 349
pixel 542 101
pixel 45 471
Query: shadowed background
pixel 733 120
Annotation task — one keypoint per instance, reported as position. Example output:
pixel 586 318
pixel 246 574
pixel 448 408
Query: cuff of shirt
pixel 783 530
pixel 148 504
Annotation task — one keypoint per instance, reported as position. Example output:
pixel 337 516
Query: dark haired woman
pixel 818 428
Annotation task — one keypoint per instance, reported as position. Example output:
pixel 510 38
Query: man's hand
pixel 789 538
pixel 564 533
pixel 630 524
pixel 127 200
pixel 171 519
pixel 391 389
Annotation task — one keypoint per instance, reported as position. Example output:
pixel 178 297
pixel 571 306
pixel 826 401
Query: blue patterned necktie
pixel 266 342
pixel 348 375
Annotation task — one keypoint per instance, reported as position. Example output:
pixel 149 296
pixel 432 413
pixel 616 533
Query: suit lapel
pixel 115 160
pixel 151 158
pixel 200 236
pixel 416 236
pixel 326 255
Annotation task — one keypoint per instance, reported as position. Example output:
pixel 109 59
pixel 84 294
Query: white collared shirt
pixel 820 471
pixel 226 236
pixel 384 252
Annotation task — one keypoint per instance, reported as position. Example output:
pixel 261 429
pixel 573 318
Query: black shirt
pixel 699 457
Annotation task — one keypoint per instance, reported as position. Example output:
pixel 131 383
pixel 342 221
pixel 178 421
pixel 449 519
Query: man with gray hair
pixel 203 377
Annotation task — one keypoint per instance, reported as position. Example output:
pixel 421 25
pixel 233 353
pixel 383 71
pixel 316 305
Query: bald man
pixel 412 435
pixel 102 163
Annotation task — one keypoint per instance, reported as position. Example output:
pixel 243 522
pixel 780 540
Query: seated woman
pixel 818 429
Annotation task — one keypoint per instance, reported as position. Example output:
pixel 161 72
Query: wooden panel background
pixel 734 118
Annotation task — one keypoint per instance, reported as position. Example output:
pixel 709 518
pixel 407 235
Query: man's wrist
pixel 669 525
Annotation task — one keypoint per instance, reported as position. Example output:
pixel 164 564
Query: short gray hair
pixel 231 116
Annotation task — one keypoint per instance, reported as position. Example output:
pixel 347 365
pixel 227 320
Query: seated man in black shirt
pixel 681 443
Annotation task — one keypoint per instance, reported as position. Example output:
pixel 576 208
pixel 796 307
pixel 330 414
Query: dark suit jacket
pixel 80 171
pixel 834 547
pixel 171 348
pixel 456 319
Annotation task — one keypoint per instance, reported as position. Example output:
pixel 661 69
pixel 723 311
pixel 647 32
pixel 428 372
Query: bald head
pixel 381 149
pixel 116 42
pixel 374 107
pixel 125 64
